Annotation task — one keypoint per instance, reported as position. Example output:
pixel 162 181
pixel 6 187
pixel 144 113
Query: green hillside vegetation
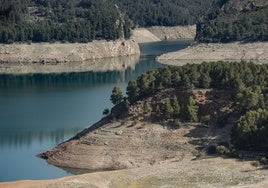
pixel 244 83
pixel 145 13
pixel 61 20
pixel 234 20
pixel 87 20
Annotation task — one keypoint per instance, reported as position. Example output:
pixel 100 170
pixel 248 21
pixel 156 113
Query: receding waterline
pixel 38 111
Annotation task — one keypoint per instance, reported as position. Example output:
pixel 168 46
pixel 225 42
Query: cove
pixel 39 111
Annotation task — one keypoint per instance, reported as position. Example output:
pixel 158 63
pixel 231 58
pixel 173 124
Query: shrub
pixel 255 164
pixel 222 150
pixel 177 123
pixel 199 154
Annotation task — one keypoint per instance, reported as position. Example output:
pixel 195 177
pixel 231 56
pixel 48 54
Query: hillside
pixel 235 20
pixel 146 13
pixel 173 113
pixel 71 20
pixel 87 20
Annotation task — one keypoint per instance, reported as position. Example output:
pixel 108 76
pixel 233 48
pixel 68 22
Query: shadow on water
pixel 123 73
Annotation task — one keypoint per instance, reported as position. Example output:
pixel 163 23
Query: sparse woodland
pixel 245 84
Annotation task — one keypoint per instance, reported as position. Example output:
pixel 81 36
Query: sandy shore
pixel 257 51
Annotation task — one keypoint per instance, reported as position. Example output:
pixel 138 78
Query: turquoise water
pixel 39 111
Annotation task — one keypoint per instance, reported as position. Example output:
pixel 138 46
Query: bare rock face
pixel 67 52
pixel 143 35
pixel 173 33
pixel 158 33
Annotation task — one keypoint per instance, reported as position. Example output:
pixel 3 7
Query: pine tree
pixel 176 106
pixel 168 109
pixel 116 96
pixel 147 107
pixel 158 112
pixel 192 110
pixel 132 90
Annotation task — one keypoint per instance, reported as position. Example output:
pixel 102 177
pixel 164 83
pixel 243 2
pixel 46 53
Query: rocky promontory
pixel 151 153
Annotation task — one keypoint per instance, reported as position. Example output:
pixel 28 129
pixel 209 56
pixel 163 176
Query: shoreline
pixel 95 65
pixel 199 52
pixel 216 172
pixel 45 58
pixel 68 57
pixel 66 52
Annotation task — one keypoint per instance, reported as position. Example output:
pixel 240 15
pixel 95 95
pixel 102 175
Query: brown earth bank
pixel 149 153
pixel 257 51
pixel 133 138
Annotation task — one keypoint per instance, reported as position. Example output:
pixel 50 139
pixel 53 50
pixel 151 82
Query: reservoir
pixel 39 111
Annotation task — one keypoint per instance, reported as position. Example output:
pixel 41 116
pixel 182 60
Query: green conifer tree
pixel 116 96
pixel 192 110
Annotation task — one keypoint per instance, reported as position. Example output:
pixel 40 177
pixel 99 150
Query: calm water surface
pixel 39 111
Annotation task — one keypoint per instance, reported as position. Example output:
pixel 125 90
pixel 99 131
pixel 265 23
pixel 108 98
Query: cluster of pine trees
pixel 87 20
pixel 147 13
pixel 228 23
pixel 62 20
pixel 248 83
